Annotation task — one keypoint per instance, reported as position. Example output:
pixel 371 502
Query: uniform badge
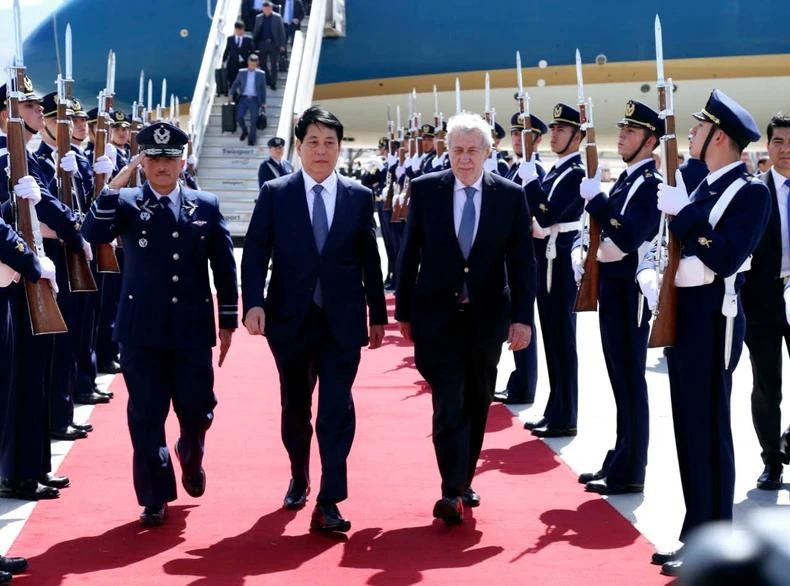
pixel 190 207
pixel 557 111
pixel 20 246
pixel 706 242
pixel 142 243
pixel 199 223
pixel 119 116
pixel 630 108
pixel 145 215
pixel 27 85
pixel 615 223
pixel 543 207
pixel 161 135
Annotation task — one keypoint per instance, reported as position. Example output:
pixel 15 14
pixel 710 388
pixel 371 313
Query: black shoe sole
pixel 339 528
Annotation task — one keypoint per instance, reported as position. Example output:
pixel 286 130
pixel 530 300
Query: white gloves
pixel 787 305
pixel 192 160
pixel 103 166
pixel 491 163
pixel 416 162
pixel 577 262
pixel 111 153
pixel 27 188
pixel 86 248
pixel 673 199
pixel 377 163
pixel 399 172
pixel 528 170
pixel 648 283
pixel 68 162
pixel 591 186
pixel 48 271
pixel 438 162
pixel 392 160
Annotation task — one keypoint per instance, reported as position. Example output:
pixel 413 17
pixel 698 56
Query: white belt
pixel 552 232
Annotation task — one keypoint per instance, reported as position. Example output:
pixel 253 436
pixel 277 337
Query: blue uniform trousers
pixel 109 292
pixel 558 328
pixel 397 230
pixel 385 219
pixel 624 342
pixel 524 379
pixel 700 388
pixel 154 378
pixel 314 355
pixel 7 372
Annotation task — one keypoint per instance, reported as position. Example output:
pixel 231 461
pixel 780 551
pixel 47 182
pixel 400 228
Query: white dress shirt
pixel 249 85
pixel 782 193
pixel 713 176
pixel 459 199
pixel 629 170
pixel 330 195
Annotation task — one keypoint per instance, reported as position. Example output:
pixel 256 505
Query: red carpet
pixel 536 525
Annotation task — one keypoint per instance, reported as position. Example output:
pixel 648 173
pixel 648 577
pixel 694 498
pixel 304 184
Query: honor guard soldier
pixel 524 379
pixel 275 165
pixel 120 132
pixel 556 208
pixel 764 302
pixel 718 226
pixel 165 323
pixel 428 148
pixel 629 223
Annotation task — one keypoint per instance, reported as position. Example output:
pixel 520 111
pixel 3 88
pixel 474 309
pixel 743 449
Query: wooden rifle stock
pixel 106 261
pixel 45 316
pixel 79 271
pixel 663 330
pixel 134 149
pixel 527 138
pixel 587 295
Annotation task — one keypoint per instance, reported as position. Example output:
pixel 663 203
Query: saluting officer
pixel 629 223
pixel 524 379
pixel 165 321
pixel 556 208
pixel 718 226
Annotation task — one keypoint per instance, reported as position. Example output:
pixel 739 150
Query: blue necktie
pixel 787 184
pixel 320 232
pixel 466 230
pixel 703 190
pixel 165 202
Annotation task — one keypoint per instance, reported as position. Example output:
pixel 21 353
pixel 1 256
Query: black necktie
pixel 620 180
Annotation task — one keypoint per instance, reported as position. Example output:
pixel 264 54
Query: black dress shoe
pixel 471 498
pixel 54 481
pixel 112 367
pixel 771 478
pixel 91 399
pixel 603 487
pixel 672 568
pixel 659 558
pixel 194 482
pixel 69 433
pixel 82 426
pixel 5 577
pixel 153 515
pixel 243 136
pixel 784 447
pixel 108 394
pixel 546 431
pixel 449 509
pixel 296 497
pixel 586 477
pixel 13 565
pixel 533 424
pixel 327 517
pixel 28 490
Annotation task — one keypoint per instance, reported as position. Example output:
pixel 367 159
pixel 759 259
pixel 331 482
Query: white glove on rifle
pixel 591 186
pixel 438 162
pixel 673 199
pixel 416 162
pixel 399 172
pixel 787 305
pixel 48 271
pixel 86 248
pixel 648 283
pixel 491 163
pixel 377 163
pixel 192 160
pixel 392 160
pixel 27 188
pixel 111 153
pixel 528 170
pixel 103 166
pixel 577 262
pixel 68 163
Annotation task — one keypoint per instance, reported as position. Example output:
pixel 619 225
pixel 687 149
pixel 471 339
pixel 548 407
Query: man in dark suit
pixel 250 9
pixel 165 321
pixel 319 227
pixel 467 283
pixel 237 49
pixel 269 40
pixel 763 302
pixel 249 92
pixel 292 12
pixel 275 165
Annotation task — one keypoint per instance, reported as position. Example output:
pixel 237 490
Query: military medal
pixel 142 243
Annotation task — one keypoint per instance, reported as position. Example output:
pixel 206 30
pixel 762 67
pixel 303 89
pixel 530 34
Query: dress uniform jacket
pixel 555 200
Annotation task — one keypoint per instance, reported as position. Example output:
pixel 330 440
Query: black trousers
pixel 269 54
pixel 314 355
pixel 764 340
pixel 461 370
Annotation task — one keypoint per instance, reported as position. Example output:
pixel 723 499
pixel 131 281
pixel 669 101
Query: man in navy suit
pixel 165 323
pixel 318 229
pixel 467 283
pixel 249 92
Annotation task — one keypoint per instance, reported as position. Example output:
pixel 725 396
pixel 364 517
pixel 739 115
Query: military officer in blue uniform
pixel 275 165
pixel 556 208
pixel 629 223
pixel 165 323
pixel 524 379
pixel 719 225
pixel 119 135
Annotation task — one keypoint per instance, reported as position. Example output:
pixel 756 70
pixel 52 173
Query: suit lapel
pixel 341 215
pixel 447 203
pixel 300 211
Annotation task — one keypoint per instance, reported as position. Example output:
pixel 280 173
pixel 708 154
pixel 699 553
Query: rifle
pixel 587 295
pixel 438 122
pixel 664 325
pixel 106 261
pixel 134 148
pixel 527 138
pixel 387 191
pixel 45 316
pixel 79 271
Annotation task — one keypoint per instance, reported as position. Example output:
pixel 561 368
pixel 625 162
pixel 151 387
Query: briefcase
pixel 221 80
pixel 282 64
pixel 261 123
pixel 229 117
